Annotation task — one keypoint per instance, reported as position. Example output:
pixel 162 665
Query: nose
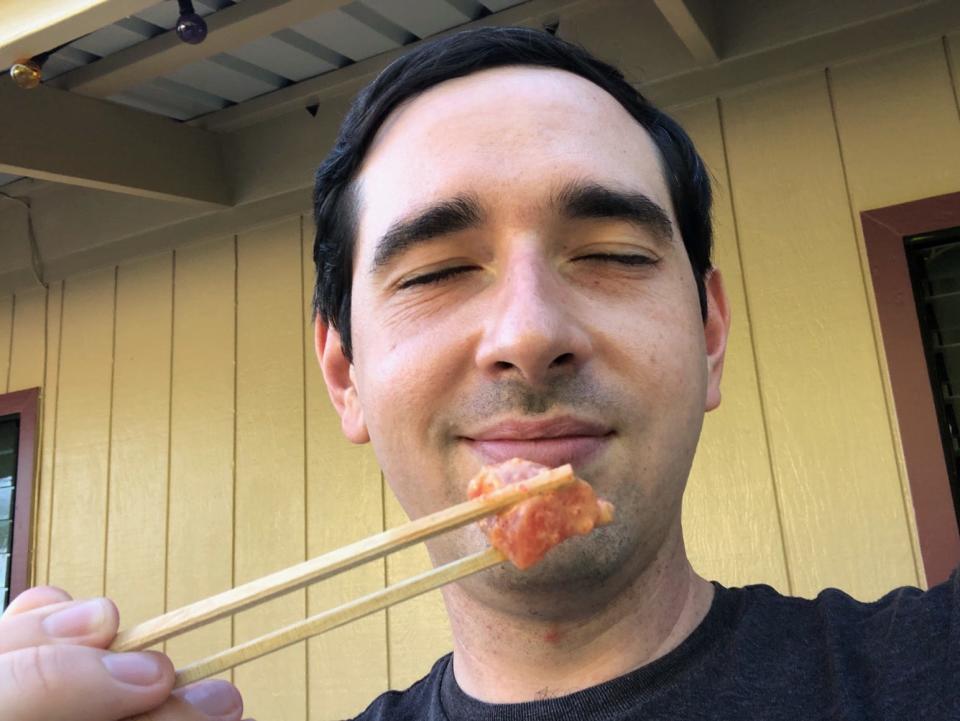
pixel 532 330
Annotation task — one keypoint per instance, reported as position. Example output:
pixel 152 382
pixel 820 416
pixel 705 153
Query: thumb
pixel 79 683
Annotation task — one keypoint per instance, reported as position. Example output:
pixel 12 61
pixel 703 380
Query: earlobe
pixel 716 330
pixel 341 382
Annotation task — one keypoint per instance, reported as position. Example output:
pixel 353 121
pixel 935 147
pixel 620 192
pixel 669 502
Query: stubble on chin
pixel 593 564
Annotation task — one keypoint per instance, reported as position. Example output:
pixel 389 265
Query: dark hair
pixel 454 56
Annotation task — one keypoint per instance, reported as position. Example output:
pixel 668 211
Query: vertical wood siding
pixel 202 402
pixel 43 526
pixel 344 503
pixel 7 308
pixel 270 531
pixel 835 469
pixel 27 355
pixel 188 443
pixel 79 528
pixel 135 567
pixel 732 469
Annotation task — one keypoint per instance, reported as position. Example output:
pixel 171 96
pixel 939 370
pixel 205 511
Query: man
pixel 513 260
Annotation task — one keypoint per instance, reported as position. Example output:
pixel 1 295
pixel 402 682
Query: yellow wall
pixel 188 444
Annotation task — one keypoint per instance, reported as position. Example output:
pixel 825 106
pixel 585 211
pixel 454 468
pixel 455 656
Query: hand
pixel 53 667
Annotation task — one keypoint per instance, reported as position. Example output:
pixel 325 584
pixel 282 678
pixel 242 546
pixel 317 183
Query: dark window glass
pixel 9 437
pixel 934 262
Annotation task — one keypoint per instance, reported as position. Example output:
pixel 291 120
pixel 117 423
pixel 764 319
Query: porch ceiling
pixel 262 58
pixel 126 106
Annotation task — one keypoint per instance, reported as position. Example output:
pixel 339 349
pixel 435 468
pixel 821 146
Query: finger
pixel 203 701
pixel 217 699
pixel 77 683
pixel 79 623
pixel 34 598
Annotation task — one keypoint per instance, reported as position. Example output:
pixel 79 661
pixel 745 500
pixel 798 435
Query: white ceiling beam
pixel 229 28
pixel 53 135
pixel 695 23
pixel 35 26
pixel 352 77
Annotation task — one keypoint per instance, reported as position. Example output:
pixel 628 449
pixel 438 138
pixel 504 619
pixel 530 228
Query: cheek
pixel 658 344
pixel 408 374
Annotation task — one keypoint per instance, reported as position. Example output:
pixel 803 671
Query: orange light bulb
pixel 26 74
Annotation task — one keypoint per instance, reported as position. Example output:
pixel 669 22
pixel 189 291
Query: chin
pixel 578 577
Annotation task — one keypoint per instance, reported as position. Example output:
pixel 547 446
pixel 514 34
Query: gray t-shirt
pixel 756 655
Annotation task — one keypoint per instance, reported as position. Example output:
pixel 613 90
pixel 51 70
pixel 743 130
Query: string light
pixel 26 74
pixel 191 28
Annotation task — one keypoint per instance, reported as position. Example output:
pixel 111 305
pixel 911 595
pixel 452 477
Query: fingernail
pixel 139 669
pixel 214 698
pixel 80 619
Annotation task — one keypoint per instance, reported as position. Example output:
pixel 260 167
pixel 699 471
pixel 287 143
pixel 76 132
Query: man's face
pixel 520 289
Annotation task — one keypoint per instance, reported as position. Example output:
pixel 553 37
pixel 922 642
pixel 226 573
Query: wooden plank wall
pixel 188 444
pixel 198 450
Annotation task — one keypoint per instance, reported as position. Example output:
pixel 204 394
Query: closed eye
pixel 622 258
pixel 437 276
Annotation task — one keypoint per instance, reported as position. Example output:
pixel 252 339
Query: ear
pixel 341 382
pixel 716 330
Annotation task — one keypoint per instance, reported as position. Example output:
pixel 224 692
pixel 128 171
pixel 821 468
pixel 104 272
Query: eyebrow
pixel 442 218
pixel 587 199
pixel 575 200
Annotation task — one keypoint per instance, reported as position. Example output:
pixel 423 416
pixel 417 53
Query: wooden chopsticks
pixel 250 594
pixel 339 616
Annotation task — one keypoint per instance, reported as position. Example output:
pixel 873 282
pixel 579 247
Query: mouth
pixel 550 442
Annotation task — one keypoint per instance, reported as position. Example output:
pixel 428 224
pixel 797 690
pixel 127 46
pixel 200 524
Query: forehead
pixel 509 136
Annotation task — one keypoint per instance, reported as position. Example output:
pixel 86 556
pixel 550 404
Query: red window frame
pixel 24 404
pixel 884 230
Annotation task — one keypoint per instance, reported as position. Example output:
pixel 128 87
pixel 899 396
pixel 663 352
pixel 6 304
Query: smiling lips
pixel 550 442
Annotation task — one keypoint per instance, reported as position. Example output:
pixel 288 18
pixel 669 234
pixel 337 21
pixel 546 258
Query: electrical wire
pixel 36 262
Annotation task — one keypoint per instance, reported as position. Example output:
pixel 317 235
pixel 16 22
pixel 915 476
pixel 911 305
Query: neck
pixel 502 657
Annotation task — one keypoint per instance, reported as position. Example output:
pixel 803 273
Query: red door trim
pixel 24 404
pixel 884 230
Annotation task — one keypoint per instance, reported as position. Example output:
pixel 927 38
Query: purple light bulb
pixel 191 28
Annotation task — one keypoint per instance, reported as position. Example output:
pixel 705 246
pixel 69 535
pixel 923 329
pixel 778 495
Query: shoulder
pixel 906 625
pixel 903 615
pixel 901 608
pixel 893 658
pixel 414 703
pixel 897 652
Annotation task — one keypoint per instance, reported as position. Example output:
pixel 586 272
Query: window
pixel 934 263
pixel 9 435
pixel 909 249
pixel 18 433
